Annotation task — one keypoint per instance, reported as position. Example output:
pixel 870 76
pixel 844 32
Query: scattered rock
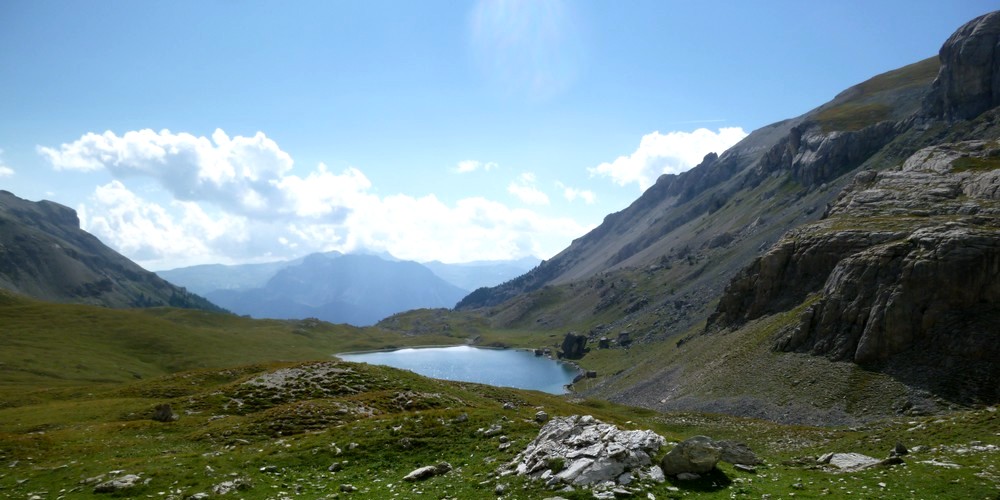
pixel 541 417
pixel 492 431
pixel 900 449
pixel 117 484
pixel 509 406
pixel 348 488
pixel 745 468
pixel 336 466
pixel 500 489
pixel 238 484
pixel 694 454
pixel 164 413
pixel 427 472
pixel 947 465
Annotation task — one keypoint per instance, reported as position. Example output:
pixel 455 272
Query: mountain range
pixel 833 267
pixel 839 271
pixel 358 289
pixel 863 232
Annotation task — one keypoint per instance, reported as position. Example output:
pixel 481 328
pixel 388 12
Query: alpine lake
pixel 517 368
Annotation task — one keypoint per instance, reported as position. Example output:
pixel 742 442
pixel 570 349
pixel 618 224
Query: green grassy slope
pixel 46 345
pixel 377 424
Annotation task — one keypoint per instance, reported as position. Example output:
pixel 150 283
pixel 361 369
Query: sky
pixel 226 131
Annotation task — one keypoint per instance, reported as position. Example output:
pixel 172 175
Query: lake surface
pixel 500 367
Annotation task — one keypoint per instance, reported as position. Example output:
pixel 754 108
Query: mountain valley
pixel 827 288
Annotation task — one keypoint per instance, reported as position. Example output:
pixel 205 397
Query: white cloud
pixel 670 153
pixel 238 173
pixel 466 166
pixel 232 200
pixel 524 189
pixel 5 171
pixel 573 194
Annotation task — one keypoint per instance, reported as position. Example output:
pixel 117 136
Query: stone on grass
pixel 694 454
pixel 581 450
pixel 427 472
pixel 117 484
pixel 737 453
pixel 164 413
pixel 852 461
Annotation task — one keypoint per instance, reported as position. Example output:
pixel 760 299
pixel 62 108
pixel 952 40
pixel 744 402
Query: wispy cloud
pixel 573 194
pixel 466 166
pixel 524 189
pixel 5 171
pixel 233 199
pixel 670 153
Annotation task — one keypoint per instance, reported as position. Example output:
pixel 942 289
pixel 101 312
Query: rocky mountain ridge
pixel 862 231
pixel 44 254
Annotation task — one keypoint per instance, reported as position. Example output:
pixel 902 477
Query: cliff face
pixel 905 264
pixel 969 82
pixel 44 254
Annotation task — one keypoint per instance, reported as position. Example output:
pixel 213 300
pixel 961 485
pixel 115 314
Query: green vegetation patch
pixel 853 116
pixel 975 164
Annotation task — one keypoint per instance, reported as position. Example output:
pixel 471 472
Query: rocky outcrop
pixel 581 450
pixel 574 346
pixel 814 156
pixel 907 262
pixel 796 266
pixel 968 82
pixel 886 299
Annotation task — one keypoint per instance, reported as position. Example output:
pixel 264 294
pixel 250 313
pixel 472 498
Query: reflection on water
pixel 500 367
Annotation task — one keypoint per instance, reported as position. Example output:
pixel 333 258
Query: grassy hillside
pixel 46 345
pixel 367 427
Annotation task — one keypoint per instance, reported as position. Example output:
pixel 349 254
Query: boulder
pixel 427 472
pixel 696 454
pixel 117 484
pixel 852 461
pixel 573 346
pixel 164 413
pixel 624 339
pixel 581 450
pixel 737 453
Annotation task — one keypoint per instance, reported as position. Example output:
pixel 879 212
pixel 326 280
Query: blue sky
pixel 231 131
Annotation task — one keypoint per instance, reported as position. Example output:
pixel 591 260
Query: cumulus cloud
pixel 524 189
pixel 466 166
pixel 573 194
pixel 239 173
pixel 670 153
pixel 232 200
